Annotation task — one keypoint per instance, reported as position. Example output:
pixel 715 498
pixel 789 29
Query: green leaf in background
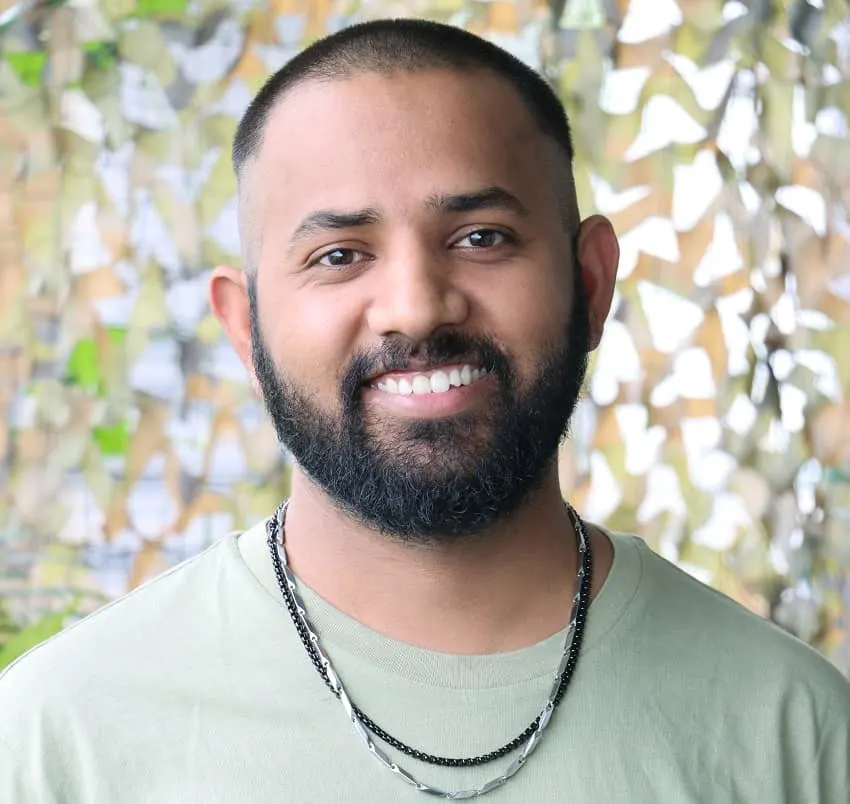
pixel 33 635
pixel 83 368
pixel 117 335
pixel 28 66
pixel 8 627
pixel 157 8
pixel 112 440
pixel 100 55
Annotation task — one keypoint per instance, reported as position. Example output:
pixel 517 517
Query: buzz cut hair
pixel 391 45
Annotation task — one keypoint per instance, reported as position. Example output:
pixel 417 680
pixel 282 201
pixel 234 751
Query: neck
pixel 502 590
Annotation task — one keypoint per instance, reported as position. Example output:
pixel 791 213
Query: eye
pixel 483 238
pixel 339 258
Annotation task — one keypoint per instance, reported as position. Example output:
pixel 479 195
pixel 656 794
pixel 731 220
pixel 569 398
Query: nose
pixel 415 295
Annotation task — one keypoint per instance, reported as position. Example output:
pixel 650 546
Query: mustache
pixel 397 354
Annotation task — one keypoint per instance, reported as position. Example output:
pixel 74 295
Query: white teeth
pixel 436 382
pixel 421 384
pixel 440 382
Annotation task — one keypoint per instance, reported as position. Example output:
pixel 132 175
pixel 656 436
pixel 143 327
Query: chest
pixel 308 752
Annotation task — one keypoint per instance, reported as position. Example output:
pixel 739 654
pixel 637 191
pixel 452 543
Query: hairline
pixel 355 71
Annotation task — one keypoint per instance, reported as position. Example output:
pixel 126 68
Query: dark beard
pixel 435 479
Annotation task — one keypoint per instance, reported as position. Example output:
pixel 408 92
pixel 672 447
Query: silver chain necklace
pixel 366 728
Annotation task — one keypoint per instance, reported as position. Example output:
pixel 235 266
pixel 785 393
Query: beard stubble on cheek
pixel 430 480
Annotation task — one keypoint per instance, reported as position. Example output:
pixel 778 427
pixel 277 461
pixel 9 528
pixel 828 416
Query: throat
pixel 499 593
pixel 473 626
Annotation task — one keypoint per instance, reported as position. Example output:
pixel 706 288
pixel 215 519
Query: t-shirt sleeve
pixel 26 775
pixel 14 786
pixel 834 763
pixel 828 779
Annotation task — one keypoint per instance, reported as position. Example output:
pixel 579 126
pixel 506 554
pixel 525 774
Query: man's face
pixel 419 331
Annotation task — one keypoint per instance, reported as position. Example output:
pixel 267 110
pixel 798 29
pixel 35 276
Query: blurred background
pixel 716 422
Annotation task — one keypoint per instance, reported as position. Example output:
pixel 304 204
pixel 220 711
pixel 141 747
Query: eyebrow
pixel 494 197
pixel 324 220
pixel 487 198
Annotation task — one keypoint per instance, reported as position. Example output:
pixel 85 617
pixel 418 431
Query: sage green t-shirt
pixel 195 689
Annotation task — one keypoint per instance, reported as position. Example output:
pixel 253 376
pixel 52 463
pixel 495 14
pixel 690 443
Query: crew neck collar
pixel 343 637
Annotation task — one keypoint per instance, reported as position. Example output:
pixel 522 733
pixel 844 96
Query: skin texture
pixel 412 269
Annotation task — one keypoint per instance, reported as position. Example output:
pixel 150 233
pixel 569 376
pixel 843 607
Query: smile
pixel 438 381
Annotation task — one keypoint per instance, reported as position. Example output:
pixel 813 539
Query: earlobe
pixel 228 294
pixel 599 255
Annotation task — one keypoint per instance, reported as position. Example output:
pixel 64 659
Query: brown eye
pixel 339 258
pixel 482 238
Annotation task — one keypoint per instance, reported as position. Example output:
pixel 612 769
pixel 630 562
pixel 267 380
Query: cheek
pixel 529 310
pixel 311 336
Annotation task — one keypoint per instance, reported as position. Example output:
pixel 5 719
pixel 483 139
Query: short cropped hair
pixel 386 46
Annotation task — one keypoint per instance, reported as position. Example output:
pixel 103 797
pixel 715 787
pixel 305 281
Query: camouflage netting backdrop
pixel 717 419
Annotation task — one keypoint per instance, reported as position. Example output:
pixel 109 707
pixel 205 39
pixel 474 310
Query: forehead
pixel 389 141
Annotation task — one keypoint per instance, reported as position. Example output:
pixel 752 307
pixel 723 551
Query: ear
pixel 228 293
pixel 599 256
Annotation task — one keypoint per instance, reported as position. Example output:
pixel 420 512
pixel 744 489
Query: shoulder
pixel 707 633
pixel 78 707
pixel 114 635
pixel 751 699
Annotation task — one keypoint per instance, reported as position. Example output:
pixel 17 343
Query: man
pixel 416 306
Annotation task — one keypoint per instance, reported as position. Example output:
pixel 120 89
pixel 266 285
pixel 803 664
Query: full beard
pixel 432 480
